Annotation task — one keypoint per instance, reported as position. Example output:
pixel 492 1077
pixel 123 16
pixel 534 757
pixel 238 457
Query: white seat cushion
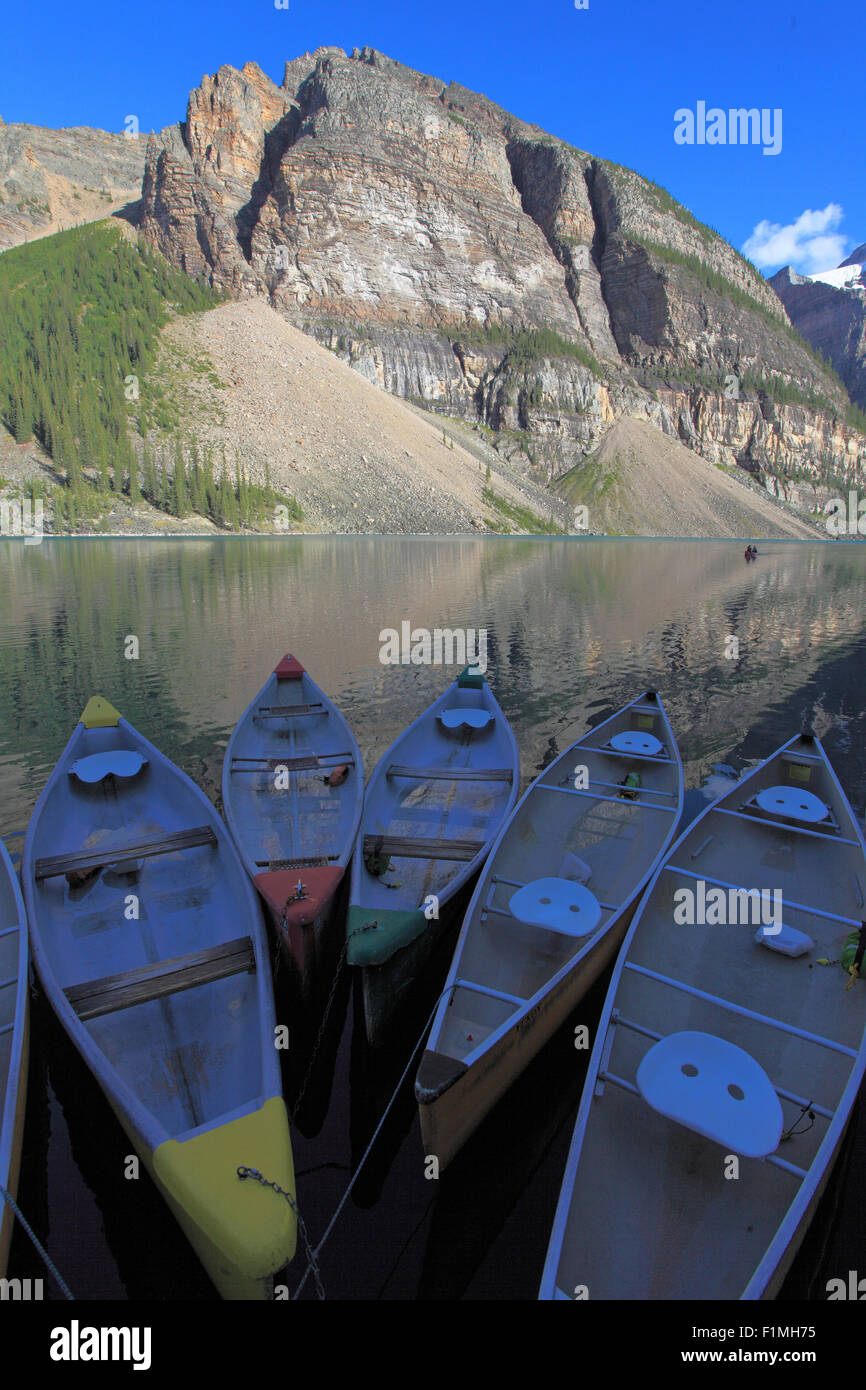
pixel 465 717
pixel 633 741
pixel 558 904
pixel 715 1088
pixel 794 803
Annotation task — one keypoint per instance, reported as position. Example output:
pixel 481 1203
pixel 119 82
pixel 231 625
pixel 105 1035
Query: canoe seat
pixel 408 847
pixel 792 803
pixel 119 762
pixel 559 904
pixel 637 741
pixel 453 774
pixel 460 717
pixel 115 856
pixel 714 1088
pixel 112 992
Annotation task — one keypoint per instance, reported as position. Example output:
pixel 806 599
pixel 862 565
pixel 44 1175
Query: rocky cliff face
pixel 51 179
pixel 832 317
pixel 426 235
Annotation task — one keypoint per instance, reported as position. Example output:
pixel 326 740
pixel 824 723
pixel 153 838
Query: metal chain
pixel 311 1256
pixel 278 956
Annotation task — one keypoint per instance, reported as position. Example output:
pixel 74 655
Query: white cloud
pixel 810 244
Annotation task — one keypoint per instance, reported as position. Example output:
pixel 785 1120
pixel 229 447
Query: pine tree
pixel 163 485
pixel 134 489
pixel 240 492
pixel 149 484
pixel 211 496
pixel 178 492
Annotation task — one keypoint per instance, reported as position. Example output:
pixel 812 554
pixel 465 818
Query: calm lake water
pixel 575 628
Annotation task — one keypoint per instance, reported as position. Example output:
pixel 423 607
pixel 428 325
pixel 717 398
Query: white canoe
pixel 151 947
pixel 714 1044
pixel 293 788
pixel 434 805
pixel 14 1038
pixel 549 912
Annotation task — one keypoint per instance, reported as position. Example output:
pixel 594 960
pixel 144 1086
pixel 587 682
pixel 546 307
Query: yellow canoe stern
pixel 244 1232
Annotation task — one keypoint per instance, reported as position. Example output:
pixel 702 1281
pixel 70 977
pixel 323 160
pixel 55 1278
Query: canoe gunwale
pixel 767 1276
pixel 380 774
pixel 133 1114
pixel 257 708
pixel 14 1097
pixel 553 983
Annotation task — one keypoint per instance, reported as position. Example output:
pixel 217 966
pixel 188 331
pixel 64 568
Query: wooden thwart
pixel 268 764
pixel 309 762
pixel 284 711
pixel 454 774
pixel 123 854
pixel 146 982
pixel 312 861
pixel 408 847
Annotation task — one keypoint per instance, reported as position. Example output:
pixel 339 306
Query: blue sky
pixel 608 78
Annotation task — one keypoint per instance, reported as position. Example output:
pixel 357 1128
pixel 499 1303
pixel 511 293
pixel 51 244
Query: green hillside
pixel 82 313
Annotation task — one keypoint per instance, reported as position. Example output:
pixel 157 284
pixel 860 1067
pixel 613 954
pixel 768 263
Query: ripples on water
pixel 574 629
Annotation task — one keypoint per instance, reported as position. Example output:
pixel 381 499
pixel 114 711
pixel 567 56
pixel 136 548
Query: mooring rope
pixel 354 1178
pixel 49 1263
pixel 245 1172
